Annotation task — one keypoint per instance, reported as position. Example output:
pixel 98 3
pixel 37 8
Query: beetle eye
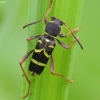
pixel 61 23
pixel 52 18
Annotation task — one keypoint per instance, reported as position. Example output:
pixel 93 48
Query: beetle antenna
pixel 32 23
pixel 73 35
pixel 36 22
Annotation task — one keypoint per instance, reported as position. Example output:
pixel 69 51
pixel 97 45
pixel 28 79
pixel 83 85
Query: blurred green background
pixel 86 72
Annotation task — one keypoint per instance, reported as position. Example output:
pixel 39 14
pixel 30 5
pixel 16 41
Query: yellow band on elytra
pixel 37 63
pixel 45 53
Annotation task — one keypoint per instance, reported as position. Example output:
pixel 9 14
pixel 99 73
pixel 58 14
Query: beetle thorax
pixel 52 29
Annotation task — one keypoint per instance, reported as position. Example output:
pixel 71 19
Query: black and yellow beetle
pixel 45 46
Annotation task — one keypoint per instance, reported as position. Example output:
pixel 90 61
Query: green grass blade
pixel 47 86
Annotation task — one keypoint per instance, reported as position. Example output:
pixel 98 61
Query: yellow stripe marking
pixel 51 46
pixel 38 50
pixel 47 40
pixel 45 53
pixel 35 74
pixel 50 35
pixel 60 26
pixel 38 63
pixel 31 72
pixel 52 21
pixel 40 41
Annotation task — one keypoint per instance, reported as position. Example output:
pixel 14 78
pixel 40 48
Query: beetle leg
pixel 50 6
pixel 66 35
pixel 21 62
pixel 32 37
pixel 53 73
pixel 48 11
pixel 66 46
pixel 73 35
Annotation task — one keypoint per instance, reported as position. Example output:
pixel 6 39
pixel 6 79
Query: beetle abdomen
pixel 41 55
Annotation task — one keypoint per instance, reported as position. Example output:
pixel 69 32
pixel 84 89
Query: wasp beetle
pixel 45 46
